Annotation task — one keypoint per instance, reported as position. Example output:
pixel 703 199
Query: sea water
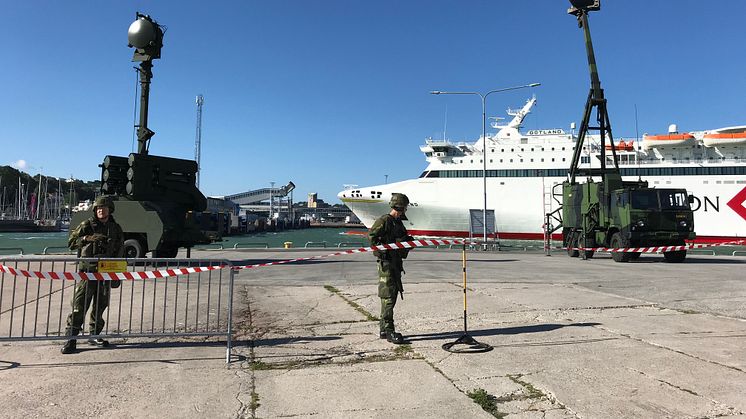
pixel 35 243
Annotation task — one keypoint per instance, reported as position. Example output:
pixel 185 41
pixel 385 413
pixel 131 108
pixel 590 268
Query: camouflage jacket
pixel 112 246
pixel 388 229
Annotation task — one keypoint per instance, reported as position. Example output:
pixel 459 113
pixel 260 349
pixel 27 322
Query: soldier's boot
pixel 395 338
pixel 98 342
pixel 382 334
pixel 69 347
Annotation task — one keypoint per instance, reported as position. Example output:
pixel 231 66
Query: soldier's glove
pixel 98 237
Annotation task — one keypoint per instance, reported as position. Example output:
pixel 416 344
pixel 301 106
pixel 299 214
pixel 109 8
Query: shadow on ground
pixel 539 328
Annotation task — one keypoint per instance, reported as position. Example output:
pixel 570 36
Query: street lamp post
pixel 484 147
pixel 271 198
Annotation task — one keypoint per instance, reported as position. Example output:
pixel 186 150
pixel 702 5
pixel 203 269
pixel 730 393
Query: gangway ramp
pixel 259 195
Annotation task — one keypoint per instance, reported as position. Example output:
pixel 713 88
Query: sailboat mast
pixel 38 198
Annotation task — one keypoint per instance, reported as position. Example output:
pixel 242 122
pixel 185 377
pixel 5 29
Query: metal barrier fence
pixel 350 244
pixel 251 245
pixel 198 304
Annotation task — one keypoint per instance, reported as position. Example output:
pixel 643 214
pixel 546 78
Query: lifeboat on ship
pixel 622 146
pixel 672 139
pixel 735 136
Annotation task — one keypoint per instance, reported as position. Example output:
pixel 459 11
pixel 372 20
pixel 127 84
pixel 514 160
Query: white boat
pixel 725 137
pixel 670 140
pixel 524 167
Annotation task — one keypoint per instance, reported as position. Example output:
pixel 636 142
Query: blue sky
pixel 326 93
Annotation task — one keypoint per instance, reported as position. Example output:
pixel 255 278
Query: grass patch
pixel 486 401
pixel 353 304
pixel 401 350
pixel 531 391
pixel 685 311
pixel 259 366
pixel 254 401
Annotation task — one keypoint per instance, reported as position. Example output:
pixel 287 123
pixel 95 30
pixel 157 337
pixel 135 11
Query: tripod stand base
pixel 466 344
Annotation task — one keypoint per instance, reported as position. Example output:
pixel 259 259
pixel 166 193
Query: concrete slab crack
pixel 719 410
pixel 641 340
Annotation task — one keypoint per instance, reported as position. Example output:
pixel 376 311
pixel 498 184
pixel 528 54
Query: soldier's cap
pixel 103 201
pixel 399 201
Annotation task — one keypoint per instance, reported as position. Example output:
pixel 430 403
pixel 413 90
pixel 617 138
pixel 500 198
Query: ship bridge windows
pixel 585 159
pixel 627 171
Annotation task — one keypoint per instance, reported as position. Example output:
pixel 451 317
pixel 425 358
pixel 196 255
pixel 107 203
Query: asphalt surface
pixel 569 338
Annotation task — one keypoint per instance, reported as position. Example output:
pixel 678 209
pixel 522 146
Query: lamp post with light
pixel 483 96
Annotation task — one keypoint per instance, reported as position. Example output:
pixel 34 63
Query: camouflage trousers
pixel 87 292
pixel 389 282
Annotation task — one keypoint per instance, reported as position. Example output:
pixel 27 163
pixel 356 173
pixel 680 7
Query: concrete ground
pixel 570 338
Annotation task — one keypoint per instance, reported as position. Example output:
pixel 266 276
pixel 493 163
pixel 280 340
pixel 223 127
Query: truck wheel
pixel 571 242
pixel 677 256
pixel 166 252
pixel 587 254
pixel 617 241
pixel 133 249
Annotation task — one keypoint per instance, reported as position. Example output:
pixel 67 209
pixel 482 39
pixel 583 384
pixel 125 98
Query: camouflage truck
pixel 617 214
pixel 155 199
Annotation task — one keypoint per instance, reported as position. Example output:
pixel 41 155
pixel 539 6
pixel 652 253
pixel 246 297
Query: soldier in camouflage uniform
pixel 98 236
pixel 389 229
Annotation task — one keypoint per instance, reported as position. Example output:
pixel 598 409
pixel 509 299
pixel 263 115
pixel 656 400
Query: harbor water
pixel 35 243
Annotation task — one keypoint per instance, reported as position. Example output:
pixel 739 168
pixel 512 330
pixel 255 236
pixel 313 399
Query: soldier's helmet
pixel 103 201
pixel 398 201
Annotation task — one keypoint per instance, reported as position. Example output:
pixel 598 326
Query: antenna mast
pixel 198 139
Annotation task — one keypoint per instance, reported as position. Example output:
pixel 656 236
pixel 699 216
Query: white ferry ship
pixel 523 168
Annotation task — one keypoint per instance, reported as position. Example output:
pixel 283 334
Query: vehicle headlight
pixel 683 224
pixel 639 225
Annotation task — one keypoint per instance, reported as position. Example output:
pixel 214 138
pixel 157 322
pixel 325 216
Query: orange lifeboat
pixel 620 146
pixel 667 140
pixel 721 139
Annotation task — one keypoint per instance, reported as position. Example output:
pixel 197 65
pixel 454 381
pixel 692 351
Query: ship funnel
pixel 673 129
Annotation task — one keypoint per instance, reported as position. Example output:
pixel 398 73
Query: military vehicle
pixel 618 214
pixel 612 212
pixel 154 196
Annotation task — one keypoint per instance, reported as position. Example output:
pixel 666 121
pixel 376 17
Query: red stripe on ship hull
pixel 540 236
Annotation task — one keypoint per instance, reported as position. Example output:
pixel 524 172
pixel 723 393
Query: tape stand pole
pixel 466 343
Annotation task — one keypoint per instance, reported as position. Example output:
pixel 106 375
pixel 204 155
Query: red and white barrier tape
pixel 658 249
pixel 391 246
pixel 165 273
pixel 184 271
pixel 109 276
